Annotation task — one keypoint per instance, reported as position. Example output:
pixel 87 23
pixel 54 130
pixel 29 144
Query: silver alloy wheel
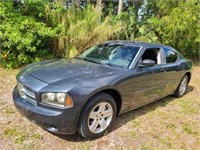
pixel 100 117
pixel 183 85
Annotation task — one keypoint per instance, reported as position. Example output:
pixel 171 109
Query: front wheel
pixel 98 116
pixel 182 87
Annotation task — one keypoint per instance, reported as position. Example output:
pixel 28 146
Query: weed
pixel 14 132
pixel 147 146
pixel 167 141
pixel 133 134
pixel 135 123
pixel 37 136
pixel 2 103
pixel 171 126
pixel 9 111
pixel 189 129
pixel 11 131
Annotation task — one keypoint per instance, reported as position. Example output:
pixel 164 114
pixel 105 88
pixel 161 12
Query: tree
pixel 24 39
pixel 99 3
pixel 77 3
pixel 173 23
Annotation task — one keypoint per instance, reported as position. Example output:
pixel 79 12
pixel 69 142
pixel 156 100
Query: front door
pixel 148 83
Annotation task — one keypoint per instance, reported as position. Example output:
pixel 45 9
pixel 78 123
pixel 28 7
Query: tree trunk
pixel 66 3
pixel 78 3
pixel 99 2
pixel 120 6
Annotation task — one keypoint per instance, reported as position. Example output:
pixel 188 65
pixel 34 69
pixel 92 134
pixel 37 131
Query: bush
pixel 80 28
pixel 24 40
pixel 38 30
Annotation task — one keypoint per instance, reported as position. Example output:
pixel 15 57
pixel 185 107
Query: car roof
pixel 134 43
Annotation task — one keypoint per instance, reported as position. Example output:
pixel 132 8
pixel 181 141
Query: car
pixel 84 94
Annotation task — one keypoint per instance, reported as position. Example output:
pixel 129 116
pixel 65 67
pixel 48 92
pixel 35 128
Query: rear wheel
pixel 182 87
pixel 98 116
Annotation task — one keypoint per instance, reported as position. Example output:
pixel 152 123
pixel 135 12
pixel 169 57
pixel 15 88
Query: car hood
pixel 69 71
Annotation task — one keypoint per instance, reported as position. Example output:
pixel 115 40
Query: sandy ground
pixel 169 123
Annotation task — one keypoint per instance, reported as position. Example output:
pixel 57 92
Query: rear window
pixel 170 55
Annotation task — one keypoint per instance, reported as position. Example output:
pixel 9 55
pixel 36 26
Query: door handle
pixel 162 70
pixel 182 67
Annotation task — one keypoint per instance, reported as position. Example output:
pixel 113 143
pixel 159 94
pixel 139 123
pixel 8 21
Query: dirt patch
pixel 169 123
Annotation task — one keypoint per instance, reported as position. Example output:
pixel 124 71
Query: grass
pixel 19 136
pixel 9 111
pixel 169 123
pixel 147 146
pixel 37 136
pixel 190 129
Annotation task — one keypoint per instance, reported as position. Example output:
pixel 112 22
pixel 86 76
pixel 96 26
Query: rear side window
pixel 170 55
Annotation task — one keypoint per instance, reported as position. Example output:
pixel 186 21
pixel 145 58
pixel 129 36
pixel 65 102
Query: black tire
pixel 184 82
pixel 93 108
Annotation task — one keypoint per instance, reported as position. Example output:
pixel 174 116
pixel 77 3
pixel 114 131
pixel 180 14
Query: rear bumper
pixel 61 121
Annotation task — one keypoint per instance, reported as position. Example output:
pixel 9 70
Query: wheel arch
pixel 112 92
pixel 116 96
pixel 189 76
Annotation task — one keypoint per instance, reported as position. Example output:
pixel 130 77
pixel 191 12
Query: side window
pixel 170 55
pixel 152 54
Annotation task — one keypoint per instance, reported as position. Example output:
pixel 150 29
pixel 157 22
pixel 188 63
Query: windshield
pixel 111 54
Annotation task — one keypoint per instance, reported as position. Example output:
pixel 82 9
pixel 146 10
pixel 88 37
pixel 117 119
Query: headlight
pixel 57 99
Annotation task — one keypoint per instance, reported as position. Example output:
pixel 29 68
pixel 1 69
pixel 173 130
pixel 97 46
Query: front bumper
pixel 61 121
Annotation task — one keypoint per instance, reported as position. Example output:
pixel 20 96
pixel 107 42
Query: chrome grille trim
pixel 26 94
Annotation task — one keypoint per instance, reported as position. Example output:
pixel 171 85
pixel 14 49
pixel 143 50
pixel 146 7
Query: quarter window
pixel 170 55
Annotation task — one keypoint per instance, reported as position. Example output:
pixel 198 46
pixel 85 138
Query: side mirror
pixel 147 63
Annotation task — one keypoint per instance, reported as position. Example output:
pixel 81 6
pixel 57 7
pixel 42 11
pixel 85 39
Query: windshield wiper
pixel 91 61
pixel 78 57
pixel 106 64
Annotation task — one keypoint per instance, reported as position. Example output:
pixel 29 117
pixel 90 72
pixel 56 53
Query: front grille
pixel 26 93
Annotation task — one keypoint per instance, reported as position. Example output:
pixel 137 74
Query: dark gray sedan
pixel 86 93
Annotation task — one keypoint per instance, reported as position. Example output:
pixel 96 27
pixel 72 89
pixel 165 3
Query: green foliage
pixel 131 22
pixel 170 22
pixel 37 29
pixel 182 31
pixel 35 8
pixel 174 23
pixel 24 40
pixel 129 25
pixel 80 28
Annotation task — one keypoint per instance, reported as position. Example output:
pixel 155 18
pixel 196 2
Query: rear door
pixel 173 70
